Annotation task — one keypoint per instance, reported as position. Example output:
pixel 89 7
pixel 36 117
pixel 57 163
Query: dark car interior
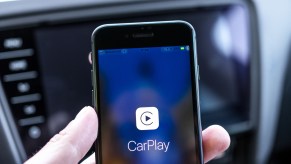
pixel 45 76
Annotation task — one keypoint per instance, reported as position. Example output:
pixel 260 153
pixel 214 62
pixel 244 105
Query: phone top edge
pixel 141 24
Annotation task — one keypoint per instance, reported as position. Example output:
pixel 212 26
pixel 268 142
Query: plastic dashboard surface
pixel 45 75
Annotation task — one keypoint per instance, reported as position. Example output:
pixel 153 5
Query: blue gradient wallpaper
pixel 146 107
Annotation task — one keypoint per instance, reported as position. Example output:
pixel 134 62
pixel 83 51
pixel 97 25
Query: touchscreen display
pixel 146 105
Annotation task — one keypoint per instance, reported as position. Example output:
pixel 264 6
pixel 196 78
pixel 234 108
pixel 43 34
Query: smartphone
pixel 145 80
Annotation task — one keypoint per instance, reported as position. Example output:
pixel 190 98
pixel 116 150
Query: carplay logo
pixel 147 118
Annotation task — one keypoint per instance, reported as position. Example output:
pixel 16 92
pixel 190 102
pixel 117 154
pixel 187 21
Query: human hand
pixel 72 143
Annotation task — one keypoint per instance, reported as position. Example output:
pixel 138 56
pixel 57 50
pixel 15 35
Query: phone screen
pixel 146 105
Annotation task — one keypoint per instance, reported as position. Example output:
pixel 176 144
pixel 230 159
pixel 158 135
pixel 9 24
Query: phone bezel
pixel 164 33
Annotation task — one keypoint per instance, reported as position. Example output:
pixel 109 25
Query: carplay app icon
pixel 147 118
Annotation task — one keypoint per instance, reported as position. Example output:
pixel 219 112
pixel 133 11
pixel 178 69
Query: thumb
pixel 73 142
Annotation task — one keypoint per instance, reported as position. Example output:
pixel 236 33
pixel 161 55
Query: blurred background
pixel 244 50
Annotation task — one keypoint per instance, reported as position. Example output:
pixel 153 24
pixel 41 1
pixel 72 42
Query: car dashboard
pixel 45 73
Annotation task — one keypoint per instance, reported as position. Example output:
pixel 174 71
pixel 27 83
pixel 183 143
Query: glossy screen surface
pixel 145 105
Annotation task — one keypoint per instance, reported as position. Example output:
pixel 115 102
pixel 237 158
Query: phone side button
pixel 93 104
pixel 198 71
pixel 91 77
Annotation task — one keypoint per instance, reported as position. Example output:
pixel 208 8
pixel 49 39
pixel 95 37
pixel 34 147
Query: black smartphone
pixel 145 79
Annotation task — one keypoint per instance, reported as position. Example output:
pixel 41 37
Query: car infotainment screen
pixel 48 81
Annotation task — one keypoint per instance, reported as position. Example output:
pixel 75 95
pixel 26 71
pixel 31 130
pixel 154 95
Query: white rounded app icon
pixel 147 118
